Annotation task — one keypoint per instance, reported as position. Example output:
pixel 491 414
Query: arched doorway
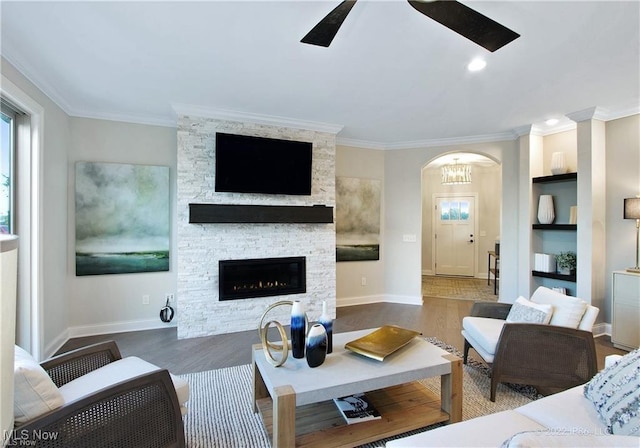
pixel 460 222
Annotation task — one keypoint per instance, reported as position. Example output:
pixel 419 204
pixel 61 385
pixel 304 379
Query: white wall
pixel 623 181
pixel 365 164
pixel 403 214
pixel 113 303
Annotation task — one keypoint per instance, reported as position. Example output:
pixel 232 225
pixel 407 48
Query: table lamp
pixel 632 211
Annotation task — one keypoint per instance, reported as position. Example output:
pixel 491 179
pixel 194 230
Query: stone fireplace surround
pixel 202 245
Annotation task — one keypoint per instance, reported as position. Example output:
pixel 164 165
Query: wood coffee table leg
pixel 259 388
pixel 284 417
pixel 451 390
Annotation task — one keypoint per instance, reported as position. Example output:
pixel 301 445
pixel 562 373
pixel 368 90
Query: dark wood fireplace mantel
pixel 259 214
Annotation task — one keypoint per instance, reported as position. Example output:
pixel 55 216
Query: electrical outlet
pixel 145 299
pixel 363 281
pixel 168 297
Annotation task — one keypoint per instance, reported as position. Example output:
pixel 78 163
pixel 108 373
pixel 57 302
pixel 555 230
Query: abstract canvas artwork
pixel 357 219
pixel 122 218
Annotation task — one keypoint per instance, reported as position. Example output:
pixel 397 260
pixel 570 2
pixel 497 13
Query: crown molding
pixel 366 144
pixel 430 143
pixel 127 118
pixel 451 141
pixel 527 129
pixel 41 83
pixel 624 112
pixel 272 120
pixel 564 127
pixel 595 113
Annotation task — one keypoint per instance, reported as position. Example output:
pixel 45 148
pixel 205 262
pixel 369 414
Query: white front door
pixel 455 235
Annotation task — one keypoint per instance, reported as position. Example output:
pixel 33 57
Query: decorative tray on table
pixel 382 342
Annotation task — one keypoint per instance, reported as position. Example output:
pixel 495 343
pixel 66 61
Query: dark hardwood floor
pixel 440 318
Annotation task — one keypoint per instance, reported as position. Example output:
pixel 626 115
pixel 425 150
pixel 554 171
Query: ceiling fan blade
pixel 467 22
pixel 323 33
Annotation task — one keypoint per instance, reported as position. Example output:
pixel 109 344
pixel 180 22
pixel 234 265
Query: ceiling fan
pixel 454 15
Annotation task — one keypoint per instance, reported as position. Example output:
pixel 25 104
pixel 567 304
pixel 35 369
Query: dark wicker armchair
pixel 140 412
pixel 548 357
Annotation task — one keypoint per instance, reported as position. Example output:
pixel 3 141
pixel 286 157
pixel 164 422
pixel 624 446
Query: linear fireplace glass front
pixel 262 277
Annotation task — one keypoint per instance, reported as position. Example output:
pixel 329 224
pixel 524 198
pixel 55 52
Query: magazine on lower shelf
pixel 356 408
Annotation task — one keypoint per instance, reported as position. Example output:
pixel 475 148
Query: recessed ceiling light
pixel 476 65
pixel 551 121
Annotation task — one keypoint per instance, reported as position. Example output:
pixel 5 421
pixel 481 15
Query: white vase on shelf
pixel 558 164
pixel 546 215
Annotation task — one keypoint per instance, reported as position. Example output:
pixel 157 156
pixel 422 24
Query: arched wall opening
pixel 485 190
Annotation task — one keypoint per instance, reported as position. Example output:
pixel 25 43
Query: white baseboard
pixel 55 344
pixel 360 300
pixel 363 300
pixel 117 327
pixel 479 275
pixel 93 330
pixel 407 300
pixel 601 329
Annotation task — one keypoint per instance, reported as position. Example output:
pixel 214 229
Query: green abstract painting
pixel 357 219
pixel 122 218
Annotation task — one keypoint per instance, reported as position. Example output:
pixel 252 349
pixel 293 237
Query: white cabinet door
pixel 625 328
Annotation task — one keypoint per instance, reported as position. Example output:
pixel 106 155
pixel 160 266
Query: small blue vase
pixel 316 349
pixel 327 323
pixel 298 329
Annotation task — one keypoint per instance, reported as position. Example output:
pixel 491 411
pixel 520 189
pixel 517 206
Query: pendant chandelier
pixel 456 174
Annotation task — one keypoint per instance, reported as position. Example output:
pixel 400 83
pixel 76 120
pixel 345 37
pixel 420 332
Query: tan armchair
pixel 99 399
pixel 551 357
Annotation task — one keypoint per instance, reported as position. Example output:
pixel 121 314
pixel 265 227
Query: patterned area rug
pixel 221 413
pixel 457 288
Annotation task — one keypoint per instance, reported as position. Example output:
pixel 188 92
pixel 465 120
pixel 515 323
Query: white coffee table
pixel 296 404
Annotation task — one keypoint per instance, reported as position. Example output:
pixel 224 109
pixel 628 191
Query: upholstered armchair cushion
pixel 120 370
pixel 34 392
pixel 105 401
pixel 552 357
pixel 567 311
pixel 524 310
pixel 483 333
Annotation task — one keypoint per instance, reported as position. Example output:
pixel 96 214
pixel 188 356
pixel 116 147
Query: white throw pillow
pixel 526 311
pixel 567 310
pixel 35 393
pixel 615 393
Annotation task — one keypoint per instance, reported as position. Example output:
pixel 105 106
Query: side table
pixel 495 270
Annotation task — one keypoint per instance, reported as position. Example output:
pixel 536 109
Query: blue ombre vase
pixel 316 349
pixel 327 323
pixel 298 329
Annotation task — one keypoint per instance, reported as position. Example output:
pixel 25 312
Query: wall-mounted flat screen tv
pixel 246 164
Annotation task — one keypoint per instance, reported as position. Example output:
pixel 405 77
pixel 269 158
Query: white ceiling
pixel 391 78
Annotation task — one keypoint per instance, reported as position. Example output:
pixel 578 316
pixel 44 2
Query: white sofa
pixel 566 419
